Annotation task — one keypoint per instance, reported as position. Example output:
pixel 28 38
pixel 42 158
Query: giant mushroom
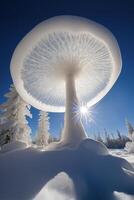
pixel 63 61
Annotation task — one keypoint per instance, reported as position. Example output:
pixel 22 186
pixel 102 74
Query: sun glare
pixel 83 112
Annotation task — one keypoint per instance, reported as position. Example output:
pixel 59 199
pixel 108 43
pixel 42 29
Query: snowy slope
pixel 123 154
pixel 81 174
pixel 13 146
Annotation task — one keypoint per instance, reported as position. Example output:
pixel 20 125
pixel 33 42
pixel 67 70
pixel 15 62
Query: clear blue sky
pixel 18 17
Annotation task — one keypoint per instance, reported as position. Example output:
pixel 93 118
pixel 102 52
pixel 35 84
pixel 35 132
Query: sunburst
pixel 82 112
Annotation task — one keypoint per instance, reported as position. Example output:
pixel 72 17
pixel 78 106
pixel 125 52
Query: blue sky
pixel 18 17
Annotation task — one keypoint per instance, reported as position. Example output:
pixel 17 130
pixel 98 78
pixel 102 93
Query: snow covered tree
pixel 130 130
pixel 130 145
pixel 42 136
pixel 13 122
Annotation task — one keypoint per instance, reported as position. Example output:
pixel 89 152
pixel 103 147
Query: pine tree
pixel 42 136
pixel 13 122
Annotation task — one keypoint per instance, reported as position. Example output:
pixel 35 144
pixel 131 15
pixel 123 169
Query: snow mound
pixel 86 144
pixel 123 154
pixel 122 196
pixel 91 175
pixel 13 146
pixel 60 187
pixel 94 146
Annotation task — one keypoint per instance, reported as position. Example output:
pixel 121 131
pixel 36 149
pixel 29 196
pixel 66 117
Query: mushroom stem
pixel 73 132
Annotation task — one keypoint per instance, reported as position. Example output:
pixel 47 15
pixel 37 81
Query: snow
pixel 42 135
pixel 60 187
pixel 13 146
pixel 130 145
pixel 123 154
pixel 13 122
pixel 94 147
pixel 79 174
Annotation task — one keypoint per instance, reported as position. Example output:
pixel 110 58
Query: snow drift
pixel 13 146
pixel 94 175
pixel 60 187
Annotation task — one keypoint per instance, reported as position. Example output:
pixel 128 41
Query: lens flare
pixel 83 112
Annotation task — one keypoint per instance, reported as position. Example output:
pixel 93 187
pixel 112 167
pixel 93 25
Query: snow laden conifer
pixel 130 145
pixel 13 122
pixel 42 136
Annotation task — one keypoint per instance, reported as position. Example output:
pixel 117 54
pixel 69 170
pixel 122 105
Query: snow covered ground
pixel 123 154
pixel 81 174
pixel 61 186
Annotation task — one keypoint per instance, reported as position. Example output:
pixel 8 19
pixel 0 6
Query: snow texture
pixel 61 187
pixel 13 146
pixel 13 118
pixel 123 154
pixel 42 136
pixel 130 145
pixel 79 174
pixel 65 46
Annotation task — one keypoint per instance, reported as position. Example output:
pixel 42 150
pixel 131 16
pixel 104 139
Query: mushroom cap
pixel 62 46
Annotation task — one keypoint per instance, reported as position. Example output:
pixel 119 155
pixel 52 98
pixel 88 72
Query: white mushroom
pixel 63 61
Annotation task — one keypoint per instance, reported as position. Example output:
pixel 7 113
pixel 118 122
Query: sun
pixel 83 110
